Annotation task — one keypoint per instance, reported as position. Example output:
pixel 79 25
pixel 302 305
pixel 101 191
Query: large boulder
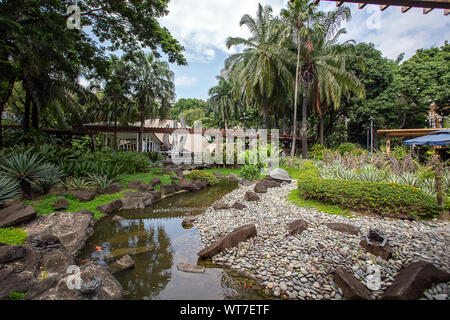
pixel 280 175
pixel 353 289
pixel 110 207
pixel 9 253
pixel 73 229
pixel 16 214
pixel 230 240
pixel 60 204
pixel 113 188
pixel 414 279
pixel 109 288
pixel 220 205
pixel 167 188
pixel 260 187
pixel 84 196
pixel 251 196
pixel 297 226
pixel 343 227
pixel 386 252
pixel 187 185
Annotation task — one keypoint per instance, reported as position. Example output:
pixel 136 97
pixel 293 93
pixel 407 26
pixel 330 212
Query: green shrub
pixel 202 174
pixel 317 151
pixel 250 172
pixel 9 189
pixel 380 197
pixel 13 236
pixel 346 148
pixel 16 295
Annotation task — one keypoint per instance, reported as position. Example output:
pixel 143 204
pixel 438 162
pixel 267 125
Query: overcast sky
pixel 202 26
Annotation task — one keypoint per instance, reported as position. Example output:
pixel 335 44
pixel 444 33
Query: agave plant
pixel 44 185
pixel 25 168
pixel 74 183
pixel 9 189
pixel 409 179
pixel 100 182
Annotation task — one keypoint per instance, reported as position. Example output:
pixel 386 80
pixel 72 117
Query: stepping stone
pixel 111 207
pixel 343 227
pixel 260 187
pixel 353 289
pixel 414 279
pixel 297 226
pixel 16 214
pixel 185 267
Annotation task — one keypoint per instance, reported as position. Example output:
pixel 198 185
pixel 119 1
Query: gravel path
pixel 302 266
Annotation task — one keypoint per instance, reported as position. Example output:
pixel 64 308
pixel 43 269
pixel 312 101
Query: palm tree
pixel 154 88
pixel 262 65
pixel 222 101
pixel 300 18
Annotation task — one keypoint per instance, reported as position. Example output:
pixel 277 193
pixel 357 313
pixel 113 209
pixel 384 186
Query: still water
pixel 157 242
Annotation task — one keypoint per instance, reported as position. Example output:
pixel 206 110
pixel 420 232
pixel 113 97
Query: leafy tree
pixel 185 104
pixel 222 101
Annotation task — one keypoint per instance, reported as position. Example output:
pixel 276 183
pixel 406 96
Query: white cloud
pixel 185 81
pixel 202 26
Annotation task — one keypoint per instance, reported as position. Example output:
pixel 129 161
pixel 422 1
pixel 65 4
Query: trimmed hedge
pixel 383 198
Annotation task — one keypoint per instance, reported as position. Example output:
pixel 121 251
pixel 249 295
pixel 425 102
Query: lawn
pixel 13 236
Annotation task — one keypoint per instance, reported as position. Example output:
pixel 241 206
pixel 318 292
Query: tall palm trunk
pixel 26 113
pixel 141 129
pixel 115 132
pixel 304 123
pixel 264 106
pixel 321 128
pixel 294 138
pixel 284 124
pixel 34 115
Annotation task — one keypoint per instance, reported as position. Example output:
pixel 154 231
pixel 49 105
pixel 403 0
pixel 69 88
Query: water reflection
pixel 157 243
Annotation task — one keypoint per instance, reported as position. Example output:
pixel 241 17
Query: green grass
pixel 13 236
pixel 146 177
pixel 293 172
pixel 45 205
pixel 294 198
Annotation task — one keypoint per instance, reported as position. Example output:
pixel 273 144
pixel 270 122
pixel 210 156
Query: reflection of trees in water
pixel 155 266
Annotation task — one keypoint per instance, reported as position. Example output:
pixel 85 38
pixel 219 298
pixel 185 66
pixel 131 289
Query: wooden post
pixel 388 144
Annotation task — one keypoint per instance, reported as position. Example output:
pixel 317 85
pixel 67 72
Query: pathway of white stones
pixel 302 266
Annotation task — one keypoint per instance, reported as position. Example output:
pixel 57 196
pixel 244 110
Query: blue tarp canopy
pixel 438 138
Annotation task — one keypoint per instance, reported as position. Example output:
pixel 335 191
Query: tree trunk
pixel 34 115
pixel 94 143
pixel 321 129
pixel 2 105
pixel 294 138
pixel 26 113
pixel 264 106
pixel 304 123
pixel 26 190
pixel 141 130
pixel 284 124
pixel 115 132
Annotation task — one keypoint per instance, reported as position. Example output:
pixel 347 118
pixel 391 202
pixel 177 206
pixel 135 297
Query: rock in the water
pixel 72 229
pixel 117 218
pixel 220 205
pixel 187 185
pixel 139 200
pixel 280 175
pixel 343 227
pixel 119 253
pixel 185 267
pixel 188 222
pixel 155 181
pixel 84 196
pixel 134 184
pixel 260 187
pixel 238 206
pixel 353 289
pixel 297 226
pixel 111 207
pixel 230 240
pixel 414 279
pixel 167 188
pixel 9 253
pixel 232 177
pixel 201 183
pixel 124 263
pixel 251 196
pixel 60 204
pixel 374 248
pixel 16 214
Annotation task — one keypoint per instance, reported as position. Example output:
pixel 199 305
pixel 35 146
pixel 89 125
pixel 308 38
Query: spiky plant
pixel 100 182
pixel 25 168
pixel 45 184
pixel 9 189
pixel 409 179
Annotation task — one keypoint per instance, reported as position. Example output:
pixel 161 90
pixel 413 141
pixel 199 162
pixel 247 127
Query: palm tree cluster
pixel 289 58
